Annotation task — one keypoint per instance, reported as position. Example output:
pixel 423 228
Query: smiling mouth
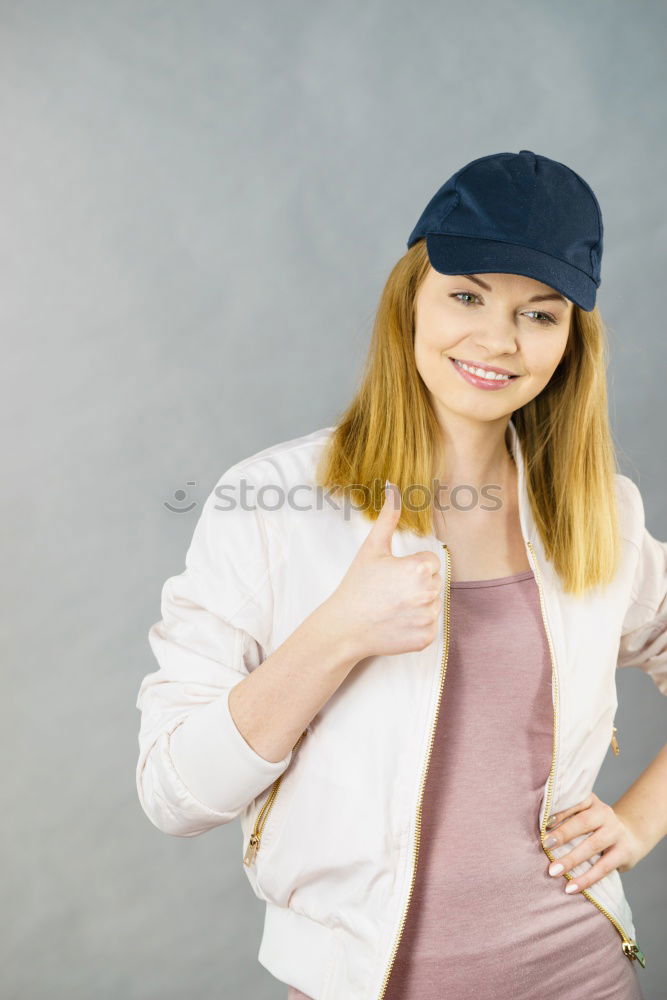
pixel 491 374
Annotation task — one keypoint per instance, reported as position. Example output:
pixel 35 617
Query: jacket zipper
pixel 630 948
pixel 443 671
pixel 263 815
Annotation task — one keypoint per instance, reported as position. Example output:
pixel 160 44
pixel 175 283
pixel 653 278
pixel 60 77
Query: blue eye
pixel 547 317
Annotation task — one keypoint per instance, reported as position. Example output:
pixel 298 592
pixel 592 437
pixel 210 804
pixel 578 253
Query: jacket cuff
pixel 215 762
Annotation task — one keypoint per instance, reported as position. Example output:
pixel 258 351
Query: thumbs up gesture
pixel 387 603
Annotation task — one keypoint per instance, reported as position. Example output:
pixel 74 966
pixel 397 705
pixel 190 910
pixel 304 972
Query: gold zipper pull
pixel 255 836
pixel 634 952
pixel 253 847
pixel 614 742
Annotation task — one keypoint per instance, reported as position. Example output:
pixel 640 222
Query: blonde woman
pixel 406 695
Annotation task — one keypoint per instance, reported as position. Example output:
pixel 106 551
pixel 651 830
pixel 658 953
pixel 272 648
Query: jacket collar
pixel 526 520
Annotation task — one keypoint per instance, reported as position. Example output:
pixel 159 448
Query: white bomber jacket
pixel 331 832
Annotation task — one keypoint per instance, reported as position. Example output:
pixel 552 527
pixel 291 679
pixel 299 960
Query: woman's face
pixel 502 321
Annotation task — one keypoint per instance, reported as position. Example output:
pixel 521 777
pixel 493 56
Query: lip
pixel 490 385
pixel 487 368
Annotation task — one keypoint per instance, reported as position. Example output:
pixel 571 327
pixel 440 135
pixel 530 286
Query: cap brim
pixel 450 254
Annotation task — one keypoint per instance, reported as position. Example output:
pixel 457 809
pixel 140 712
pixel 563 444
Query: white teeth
pixel 482 373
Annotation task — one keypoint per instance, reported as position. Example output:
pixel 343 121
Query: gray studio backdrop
pixel 200 205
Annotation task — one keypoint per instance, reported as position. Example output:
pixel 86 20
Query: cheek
pixel 434 339
pixel 428 353
pixel 541 359
pixel 427 361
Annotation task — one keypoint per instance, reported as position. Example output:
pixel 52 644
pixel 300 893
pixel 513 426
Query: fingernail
pixel 571 887
pixel 387 486
pixel 551 841
pixel 551 821
pixel 556 868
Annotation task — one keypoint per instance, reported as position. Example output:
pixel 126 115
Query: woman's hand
pixel 386 603
pixel 609 834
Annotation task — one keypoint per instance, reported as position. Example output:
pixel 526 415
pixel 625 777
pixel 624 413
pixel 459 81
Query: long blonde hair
pixel 389 431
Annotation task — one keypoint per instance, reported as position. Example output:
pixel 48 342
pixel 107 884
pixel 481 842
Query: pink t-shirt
pixel 486 918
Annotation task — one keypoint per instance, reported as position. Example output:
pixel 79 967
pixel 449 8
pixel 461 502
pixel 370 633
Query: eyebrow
pixel 535 298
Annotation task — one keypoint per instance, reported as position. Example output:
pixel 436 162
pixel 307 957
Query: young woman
pixel 407 698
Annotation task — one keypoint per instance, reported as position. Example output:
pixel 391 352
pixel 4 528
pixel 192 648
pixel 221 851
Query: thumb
pixel 379 537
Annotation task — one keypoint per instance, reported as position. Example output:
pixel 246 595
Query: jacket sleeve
pixel 195 770
pixel 643 640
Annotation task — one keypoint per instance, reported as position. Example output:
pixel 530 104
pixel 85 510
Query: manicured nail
pixel 387 486
pixel 571 887
pixel 556 868
pixel 552 821
pixel 551 841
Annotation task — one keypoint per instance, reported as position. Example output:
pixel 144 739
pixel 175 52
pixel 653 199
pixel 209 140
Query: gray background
pixel 200 206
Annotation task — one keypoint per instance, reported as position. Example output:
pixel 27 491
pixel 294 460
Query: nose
pixel 496 337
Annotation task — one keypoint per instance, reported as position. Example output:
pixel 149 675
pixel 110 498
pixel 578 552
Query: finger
pixel 378 540
pixel 562 814
pixel 428 598
pixel 591 847
pixel 607 863
pixel 587 821
pixel 432 562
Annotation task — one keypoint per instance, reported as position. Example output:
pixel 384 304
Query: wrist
pixel 642 843
pixel 335 623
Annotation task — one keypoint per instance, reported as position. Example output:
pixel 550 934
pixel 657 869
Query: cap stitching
pixel 455 204
pixel 598 211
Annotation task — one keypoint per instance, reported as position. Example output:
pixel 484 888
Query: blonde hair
pixel 389 431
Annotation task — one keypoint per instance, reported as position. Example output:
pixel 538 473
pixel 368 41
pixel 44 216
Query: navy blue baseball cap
pixel 517 213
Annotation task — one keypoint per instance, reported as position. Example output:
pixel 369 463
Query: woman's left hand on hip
pixel 609 835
